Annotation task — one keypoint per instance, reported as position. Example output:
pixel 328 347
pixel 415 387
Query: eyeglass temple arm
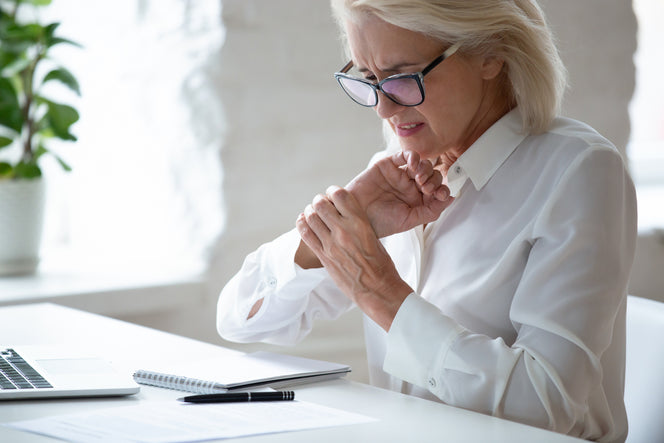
pixel 448 53
pixel 347 67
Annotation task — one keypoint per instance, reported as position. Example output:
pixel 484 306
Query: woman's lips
pixel 408 129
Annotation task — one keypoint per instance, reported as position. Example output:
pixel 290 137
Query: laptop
pixel 34 372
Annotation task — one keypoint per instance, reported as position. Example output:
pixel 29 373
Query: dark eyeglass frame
pixel 417 76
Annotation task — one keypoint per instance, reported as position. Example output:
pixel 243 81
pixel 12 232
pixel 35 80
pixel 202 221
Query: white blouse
pixel 518 308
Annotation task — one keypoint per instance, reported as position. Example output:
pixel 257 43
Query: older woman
pixel 508 297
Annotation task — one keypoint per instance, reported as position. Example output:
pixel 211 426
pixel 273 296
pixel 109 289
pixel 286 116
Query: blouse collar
pixel 487 154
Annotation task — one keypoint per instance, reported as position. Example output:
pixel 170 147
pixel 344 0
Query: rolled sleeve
pixel 292 297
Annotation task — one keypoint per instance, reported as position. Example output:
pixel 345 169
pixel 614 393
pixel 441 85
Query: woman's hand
pixel 400 192
pixel 337 230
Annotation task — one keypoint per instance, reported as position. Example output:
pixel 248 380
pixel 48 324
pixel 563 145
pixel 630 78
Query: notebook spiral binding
pixel 177 382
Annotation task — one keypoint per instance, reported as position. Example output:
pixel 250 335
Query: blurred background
pixel 207 125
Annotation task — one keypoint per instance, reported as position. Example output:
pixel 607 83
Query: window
pixel 646 148
pixel 146 181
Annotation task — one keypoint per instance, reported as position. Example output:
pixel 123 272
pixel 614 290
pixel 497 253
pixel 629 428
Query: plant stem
pixel 28 117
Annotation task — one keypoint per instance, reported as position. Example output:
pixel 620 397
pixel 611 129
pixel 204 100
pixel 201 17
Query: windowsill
pixel 115 290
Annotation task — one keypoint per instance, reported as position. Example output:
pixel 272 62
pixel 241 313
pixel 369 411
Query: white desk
pixel 402 418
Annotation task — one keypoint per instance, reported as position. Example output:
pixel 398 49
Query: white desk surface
pixel 402 418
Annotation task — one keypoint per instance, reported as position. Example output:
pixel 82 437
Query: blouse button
pixel 272 282
pixel 458 169
pixel 432 382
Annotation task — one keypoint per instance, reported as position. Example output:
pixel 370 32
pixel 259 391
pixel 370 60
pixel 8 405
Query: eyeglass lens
pixel 404 91
pixel 359 91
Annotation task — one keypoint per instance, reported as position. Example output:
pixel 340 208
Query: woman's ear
pixel 491 67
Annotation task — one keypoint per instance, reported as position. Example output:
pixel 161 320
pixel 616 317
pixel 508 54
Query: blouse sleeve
pixel 292 297
pixel 570 297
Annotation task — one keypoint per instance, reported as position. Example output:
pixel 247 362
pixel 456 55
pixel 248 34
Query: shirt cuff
pixel 418 341
pixel 282 275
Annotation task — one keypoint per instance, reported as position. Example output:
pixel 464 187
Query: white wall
pixel 291 134
pixel 597 40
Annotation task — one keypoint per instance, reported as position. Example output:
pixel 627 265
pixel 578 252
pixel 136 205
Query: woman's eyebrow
pixel 396 68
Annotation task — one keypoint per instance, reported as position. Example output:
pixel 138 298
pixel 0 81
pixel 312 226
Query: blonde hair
pixel 512 30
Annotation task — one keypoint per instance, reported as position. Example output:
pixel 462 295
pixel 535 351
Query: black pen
pixel 228 397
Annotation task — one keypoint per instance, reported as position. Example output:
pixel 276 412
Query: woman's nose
pixel 386 108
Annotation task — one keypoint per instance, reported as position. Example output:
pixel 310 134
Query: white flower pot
pixel 21 224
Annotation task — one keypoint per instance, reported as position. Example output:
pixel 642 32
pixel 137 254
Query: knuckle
pixel 338 194
pixel 344 239
pixel 318 203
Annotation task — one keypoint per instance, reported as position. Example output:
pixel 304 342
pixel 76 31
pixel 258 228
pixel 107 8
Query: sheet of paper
pixel 165 422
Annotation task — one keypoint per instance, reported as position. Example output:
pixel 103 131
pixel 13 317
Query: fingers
pixel 329 212
pixel 442 194
pixel 399 159
pixel 434 186
pixel 315 222
pixel 343 201
pixel 407 161
pixel 307 233
pixel 428 179
pixel 424 173
pixel 312 224
pixel 413 159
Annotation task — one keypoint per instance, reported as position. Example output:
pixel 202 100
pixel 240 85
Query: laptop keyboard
pixel 16 373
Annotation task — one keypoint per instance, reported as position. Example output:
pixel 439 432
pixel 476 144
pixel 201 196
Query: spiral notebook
pixel 245 371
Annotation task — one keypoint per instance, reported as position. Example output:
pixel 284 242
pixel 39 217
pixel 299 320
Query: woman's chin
pixel 425 154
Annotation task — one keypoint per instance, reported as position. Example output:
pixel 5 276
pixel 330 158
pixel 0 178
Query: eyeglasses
pixel 402 89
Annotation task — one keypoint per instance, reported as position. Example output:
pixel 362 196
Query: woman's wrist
pixel 305 257
pixel 384 305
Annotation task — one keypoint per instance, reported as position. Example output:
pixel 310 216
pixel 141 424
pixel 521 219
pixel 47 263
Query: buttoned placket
pixel 417 238
pixel 421 238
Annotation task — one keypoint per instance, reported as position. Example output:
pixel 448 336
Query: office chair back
pixel 644 372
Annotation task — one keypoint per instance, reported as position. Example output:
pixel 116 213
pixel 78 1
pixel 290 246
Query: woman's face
pixel 462 97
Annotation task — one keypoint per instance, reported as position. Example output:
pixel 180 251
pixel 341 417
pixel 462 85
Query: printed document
pixel 166 422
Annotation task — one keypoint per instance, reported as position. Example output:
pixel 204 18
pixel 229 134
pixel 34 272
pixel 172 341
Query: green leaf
pixel 37 2
pixel 44 128
pixel 65 77
pixel 15 66
pixel 63 163
pixel 4 142
pixel 20 37
pixel 41 150
pixel 49 29
pixel 51 40
pixel 10 110
pixel 58 40
pixel 6 170
pixel 7 58
pixel 61 117
pixel 27 170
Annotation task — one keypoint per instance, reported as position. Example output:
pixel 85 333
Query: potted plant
pixel 29 120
